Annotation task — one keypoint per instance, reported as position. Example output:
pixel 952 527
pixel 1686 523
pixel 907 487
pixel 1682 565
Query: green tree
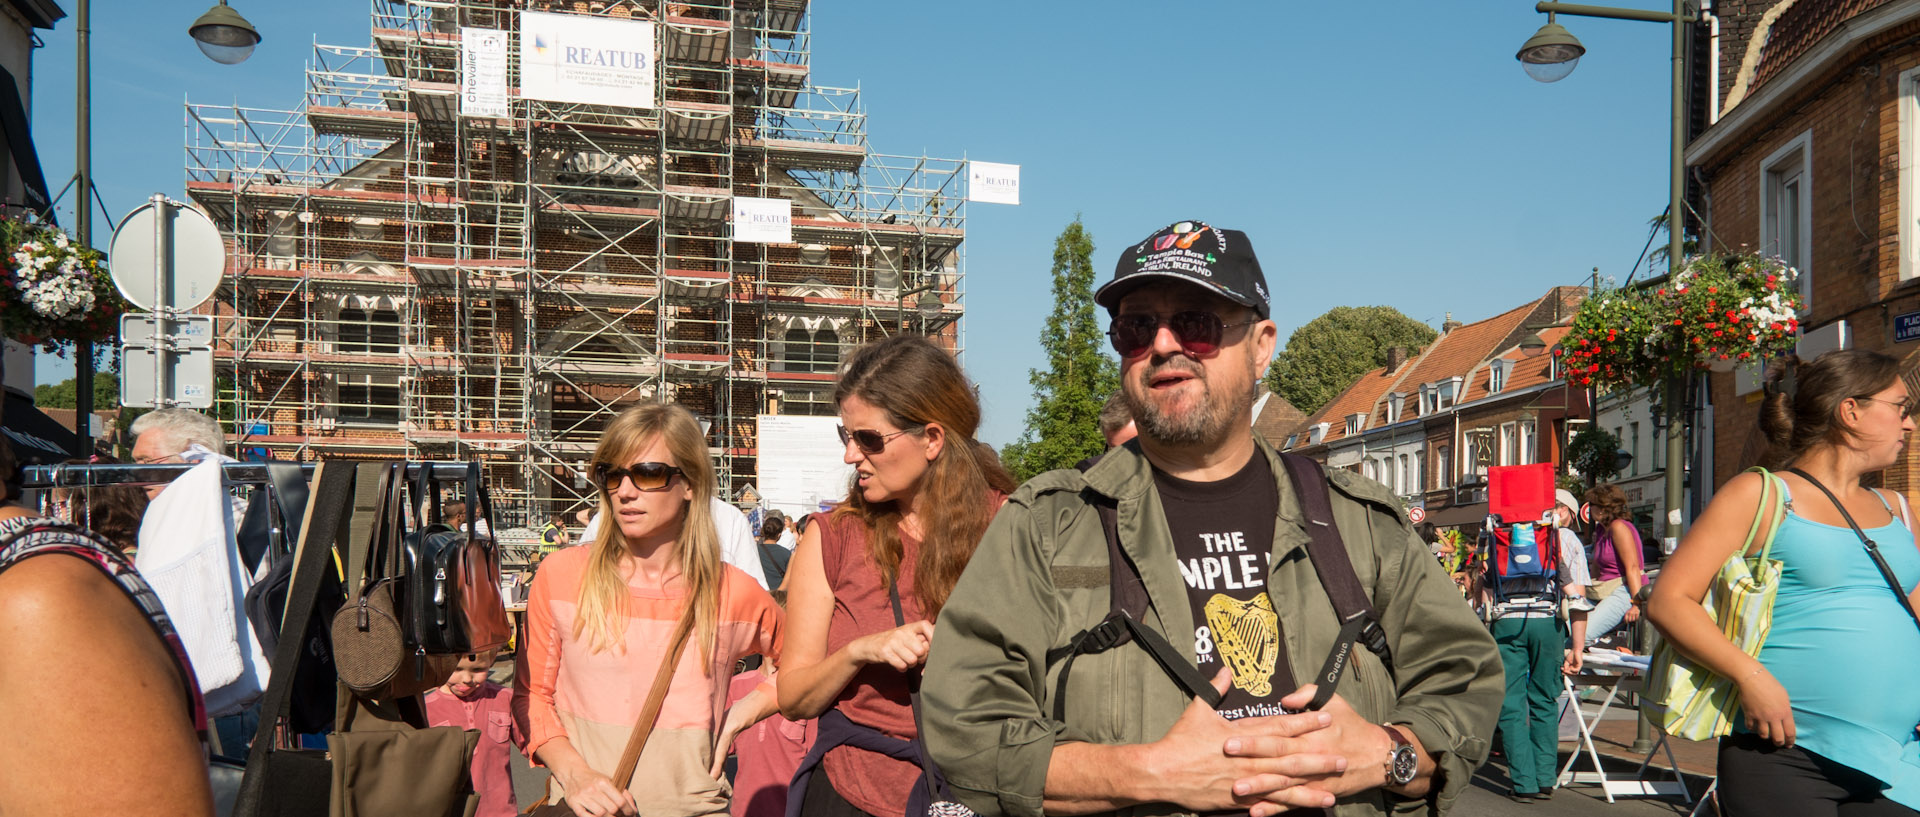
pixel 1324 357
pixel 1595 454
pixel 1063 426
pixel 65 395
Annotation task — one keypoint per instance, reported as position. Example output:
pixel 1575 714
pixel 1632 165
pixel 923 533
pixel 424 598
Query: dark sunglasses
pixel 646 476
pixel 1198 332
pixel 866 439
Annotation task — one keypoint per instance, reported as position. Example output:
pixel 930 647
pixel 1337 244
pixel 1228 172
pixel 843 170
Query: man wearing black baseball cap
pixel 1215 534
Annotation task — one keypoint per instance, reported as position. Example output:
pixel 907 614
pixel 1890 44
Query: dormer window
pixel 1355 422
pixel 1291 438
pixel 1396 405
pixel 1317 433
pixel 1429 398
pixel 1497 376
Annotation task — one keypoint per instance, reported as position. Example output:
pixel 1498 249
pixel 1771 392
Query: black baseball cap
pixel 1195 252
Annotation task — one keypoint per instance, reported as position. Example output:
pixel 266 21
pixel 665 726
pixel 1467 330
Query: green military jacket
pixel 1040 576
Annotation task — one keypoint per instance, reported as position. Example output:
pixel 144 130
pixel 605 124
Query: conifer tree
pixel 1063 426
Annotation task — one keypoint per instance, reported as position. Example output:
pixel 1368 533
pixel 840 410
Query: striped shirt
pixel 563 688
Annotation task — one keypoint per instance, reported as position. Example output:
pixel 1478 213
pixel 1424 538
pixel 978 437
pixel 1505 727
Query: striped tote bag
pixel 1688 700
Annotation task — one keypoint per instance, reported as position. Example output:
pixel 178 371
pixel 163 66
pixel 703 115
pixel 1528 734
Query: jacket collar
pixel 1125 475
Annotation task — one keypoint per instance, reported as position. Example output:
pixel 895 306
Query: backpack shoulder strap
pixel 1329 556
pixel 1127 592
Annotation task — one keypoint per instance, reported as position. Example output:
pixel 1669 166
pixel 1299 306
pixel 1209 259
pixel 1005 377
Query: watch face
pixel 1405 765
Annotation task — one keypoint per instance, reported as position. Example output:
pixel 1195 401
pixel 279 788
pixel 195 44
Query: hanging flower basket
pixel 54 291
pixel 1717 312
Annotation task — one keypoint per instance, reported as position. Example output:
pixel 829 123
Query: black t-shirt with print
pixel 1223 538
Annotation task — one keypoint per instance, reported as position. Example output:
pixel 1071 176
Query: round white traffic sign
pixel 1586 513
pixel 1417 514
pixel 197 254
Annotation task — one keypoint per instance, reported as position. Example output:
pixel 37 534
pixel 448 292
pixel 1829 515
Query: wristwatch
pixel 1403 763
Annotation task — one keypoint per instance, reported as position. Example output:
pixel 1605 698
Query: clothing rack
pixel 78 475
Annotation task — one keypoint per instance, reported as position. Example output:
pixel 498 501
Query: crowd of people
pixel 1189 623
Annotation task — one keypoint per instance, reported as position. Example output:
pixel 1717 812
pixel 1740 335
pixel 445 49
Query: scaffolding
pixel 404 281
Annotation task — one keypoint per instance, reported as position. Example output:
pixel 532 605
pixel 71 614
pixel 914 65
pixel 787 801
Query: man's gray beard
pixel 1208 423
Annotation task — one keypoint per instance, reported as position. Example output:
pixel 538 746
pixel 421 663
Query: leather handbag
pixel 454 599
pixel 267 599
pixel 649 713
pixel 376 651
pixel 387 761
pixel 281 781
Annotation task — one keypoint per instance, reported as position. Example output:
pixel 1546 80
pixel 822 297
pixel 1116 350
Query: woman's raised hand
pixel 902 648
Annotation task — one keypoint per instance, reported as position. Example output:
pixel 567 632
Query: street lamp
pixel 1533 345
pixel 1550 56
pixel 224 36
pixel 928 305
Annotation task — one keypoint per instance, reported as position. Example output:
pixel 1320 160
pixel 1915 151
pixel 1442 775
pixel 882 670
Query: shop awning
pixel 35 438
pixel 1458 515
pixel 14 123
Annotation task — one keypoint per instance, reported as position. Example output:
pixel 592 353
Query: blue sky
pixel 1389 153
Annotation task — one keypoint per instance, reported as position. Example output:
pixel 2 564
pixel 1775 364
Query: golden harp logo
pixel 1248 635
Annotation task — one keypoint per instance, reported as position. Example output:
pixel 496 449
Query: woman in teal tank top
pixel 1828 716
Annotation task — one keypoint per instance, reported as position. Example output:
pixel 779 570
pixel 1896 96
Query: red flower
pixel 1594 367
pixel 1676 321
pixel 1711 290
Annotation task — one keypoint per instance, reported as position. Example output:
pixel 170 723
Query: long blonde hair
pixel 603 592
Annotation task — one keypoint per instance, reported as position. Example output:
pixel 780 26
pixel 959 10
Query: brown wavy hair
pixel 1810 416
pixel 1608 503
pixel 918 384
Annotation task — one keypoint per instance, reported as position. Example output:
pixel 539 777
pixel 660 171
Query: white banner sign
pixel 483 72
pixel 800 463
pixel 765 221
pixel 586 59
pixel 993 183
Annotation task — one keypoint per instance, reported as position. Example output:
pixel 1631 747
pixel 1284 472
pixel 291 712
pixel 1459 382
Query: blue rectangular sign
pixel 1906 327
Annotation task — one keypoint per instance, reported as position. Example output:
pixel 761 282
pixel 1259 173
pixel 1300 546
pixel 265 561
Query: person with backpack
pixel 1530 568
pixel 1196 622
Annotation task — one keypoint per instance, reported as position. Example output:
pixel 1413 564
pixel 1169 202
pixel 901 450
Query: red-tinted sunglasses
pixel 1198 332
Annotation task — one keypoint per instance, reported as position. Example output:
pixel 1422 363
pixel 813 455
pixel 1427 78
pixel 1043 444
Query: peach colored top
pixel 565 689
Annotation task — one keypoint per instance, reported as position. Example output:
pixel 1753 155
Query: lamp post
pixel 225 37
pixel 928 305
pixel 1549 56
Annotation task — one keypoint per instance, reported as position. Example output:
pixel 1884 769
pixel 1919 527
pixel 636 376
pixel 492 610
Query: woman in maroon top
pixel 923 492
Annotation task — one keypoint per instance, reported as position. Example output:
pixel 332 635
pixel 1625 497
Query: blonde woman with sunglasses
pixel 600 620
pixel 922 493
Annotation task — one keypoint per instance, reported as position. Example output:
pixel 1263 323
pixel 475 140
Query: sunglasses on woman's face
pixel 866 439
pixel 1198 332
pixel 646 476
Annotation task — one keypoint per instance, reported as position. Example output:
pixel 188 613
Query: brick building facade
pixel 1811 156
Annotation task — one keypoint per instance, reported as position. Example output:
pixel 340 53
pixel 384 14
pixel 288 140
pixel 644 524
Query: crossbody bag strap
pixel 936 782
pixel 327 505
pixel 1873 550
pixel 656 697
